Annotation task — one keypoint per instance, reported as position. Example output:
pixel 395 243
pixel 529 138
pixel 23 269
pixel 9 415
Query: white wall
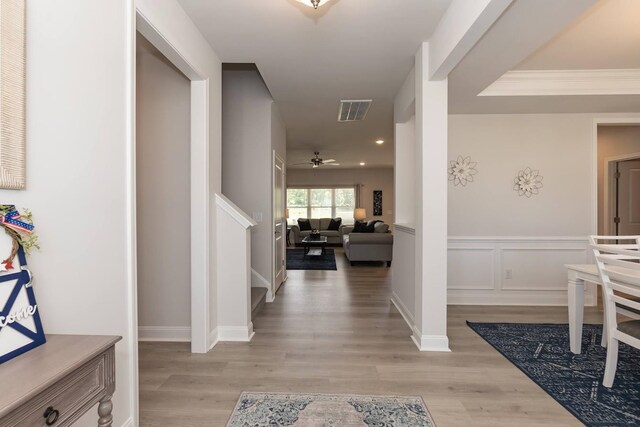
pixel 252 129
pixel 370 178
pixel 493 230
pixel 78 73
pixel 613 141
pixel 163 97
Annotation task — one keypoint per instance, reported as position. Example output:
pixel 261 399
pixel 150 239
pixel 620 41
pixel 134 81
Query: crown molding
pixel 565 82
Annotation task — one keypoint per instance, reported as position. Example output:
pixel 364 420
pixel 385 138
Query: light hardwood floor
pixel 336 332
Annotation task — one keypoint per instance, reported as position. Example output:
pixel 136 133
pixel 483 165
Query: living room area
pixel 340 211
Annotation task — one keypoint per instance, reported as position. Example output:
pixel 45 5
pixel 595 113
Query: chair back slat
pixel 626 302
pixel 619 268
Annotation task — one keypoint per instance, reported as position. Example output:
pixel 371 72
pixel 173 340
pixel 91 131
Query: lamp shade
pixel 359 214
pixel 286 213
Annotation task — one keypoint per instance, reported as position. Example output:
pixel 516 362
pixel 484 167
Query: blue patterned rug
pixel 542 352
pixel 297 261
pixel 328 410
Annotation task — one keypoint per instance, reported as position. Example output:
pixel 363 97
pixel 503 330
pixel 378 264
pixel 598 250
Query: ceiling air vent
pixel 353 110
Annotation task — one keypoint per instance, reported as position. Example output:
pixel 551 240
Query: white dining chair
pixel 620 274
pixel 622 242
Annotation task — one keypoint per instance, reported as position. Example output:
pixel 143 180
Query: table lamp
pixel 359 214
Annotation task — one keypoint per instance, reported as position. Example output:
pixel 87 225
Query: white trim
pixel 404 312
pixel 164 333
pixel 234 211
pixel 544 298
pixel 128 423
pixel 565 82
pixel 517 239
pixel 406 228
pixel 236 333
pixel 131 247
pixel 213 338
pixel 430 342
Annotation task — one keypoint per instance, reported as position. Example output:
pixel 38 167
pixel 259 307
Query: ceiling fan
pixel 317 161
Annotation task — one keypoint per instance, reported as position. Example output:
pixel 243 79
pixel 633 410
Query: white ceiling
pixel 364 49
pixel 607 36
pixel 580 35
pixel 348 49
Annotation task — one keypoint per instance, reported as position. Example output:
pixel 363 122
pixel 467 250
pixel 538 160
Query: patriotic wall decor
pixel 20 325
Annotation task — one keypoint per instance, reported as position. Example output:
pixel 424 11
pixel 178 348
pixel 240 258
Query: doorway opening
pixel 163 199
pixel 618 148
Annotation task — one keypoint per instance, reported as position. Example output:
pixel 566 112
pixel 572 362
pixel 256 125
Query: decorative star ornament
pixel 461 171
pixel 528 182
pixel 8 265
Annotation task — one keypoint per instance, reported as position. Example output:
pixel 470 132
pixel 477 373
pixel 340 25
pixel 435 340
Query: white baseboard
pixel 430 342
pixel 164 333
pixel 542 298
pixel 236 333
pixel 128 423
pixel 213 338
pixel 404 312
pixel 270 297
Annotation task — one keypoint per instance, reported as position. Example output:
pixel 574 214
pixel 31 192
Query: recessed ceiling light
pixel 380 142
pixel 362 163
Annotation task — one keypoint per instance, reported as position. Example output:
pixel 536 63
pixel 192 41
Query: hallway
pixel 336 332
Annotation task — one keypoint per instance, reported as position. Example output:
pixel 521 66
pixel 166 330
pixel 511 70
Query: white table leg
pixel 576 311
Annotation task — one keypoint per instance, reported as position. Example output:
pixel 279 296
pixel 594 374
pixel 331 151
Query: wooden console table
pixel 56 383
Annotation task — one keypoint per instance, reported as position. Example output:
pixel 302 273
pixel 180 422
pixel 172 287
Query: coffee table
pixel 310 245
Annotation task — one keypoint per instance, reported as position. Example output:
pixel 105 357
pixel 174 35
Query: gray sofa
pixel 333 237
pixel 367 246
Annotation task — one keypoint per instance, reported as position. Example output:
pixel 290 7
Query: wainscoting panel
pixel 479 268
pixel 514 270
pixel 539 269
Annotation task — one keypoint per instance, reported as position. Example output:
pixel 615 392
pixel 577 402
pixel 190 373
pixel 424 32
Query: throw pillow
pixel 362 227
pixel 373 222
pixel 381 227
pixel 335 224
pixel 304 224
pixel 359 227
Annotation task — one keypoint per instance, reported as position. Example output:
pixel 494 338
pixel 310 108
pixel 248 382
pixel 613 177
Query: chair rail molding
pixel 514 270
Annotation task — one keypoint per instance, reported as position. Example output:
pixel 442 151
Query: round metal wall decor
pixel 528 182
pixel 462 170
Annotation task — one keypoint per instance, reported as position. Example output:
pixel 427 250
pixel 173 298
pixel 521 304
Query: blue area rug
pixel 297 261
pixel 328 410
pixel 542 352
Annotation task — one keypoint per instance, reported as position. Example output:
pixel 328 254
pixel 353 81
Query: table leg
pixel 576 312
pixel 104 412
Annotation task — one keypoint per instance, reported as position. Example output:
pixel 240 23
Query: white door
pixel 628 215
pixel 279 223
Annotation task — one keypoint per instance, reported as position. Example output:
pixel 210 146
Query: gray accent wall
pixel 251 129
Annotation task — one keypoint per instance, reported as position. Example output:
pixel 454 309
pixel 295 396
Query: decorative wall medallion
pixel 462 170
pixel 528 182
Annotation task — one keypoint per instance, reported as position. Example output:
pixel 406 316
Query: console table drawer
pixel 71 396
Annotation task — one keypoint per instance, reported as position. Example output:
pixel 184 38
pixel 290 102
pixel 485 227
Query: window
pixel 321 203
